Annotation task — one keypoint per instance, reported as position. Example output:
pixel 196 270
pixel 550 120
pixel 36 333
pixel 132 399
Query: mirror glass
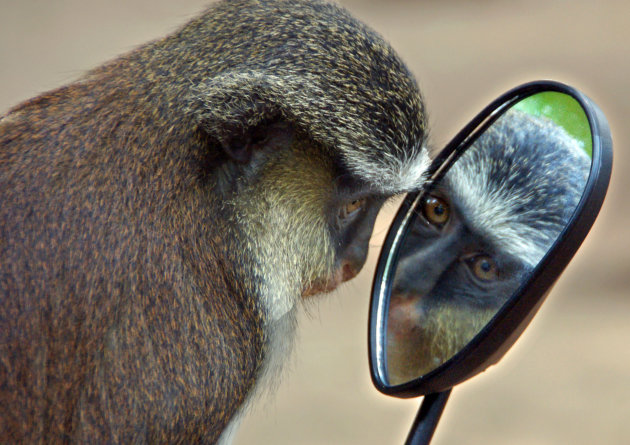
pixel 477 233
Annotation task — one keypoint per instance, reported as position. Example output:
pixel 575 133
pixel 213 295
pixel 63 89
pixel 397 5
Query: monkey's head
pixel 312 121
pixel 266 132
pixel 486 224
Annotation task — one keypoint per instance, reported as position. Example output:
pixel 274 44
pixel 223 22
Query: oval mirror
pixel 482 229
pixel 469 259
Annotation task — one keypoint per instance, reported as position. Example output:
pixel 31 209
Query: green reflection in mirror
pixel 565 111
pixel 479 232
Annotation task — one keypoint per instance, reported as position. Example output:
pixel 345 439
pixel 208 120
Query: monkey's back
pixel 109 280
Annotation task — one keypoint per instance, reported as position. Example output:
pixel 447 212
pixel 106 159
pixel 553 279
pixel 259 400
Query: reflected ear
pixel 235 109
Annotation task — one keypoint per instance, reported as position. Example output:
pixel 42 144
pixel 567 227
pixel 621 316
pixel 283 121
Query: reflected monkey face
pixel 449 283
pixel 475 236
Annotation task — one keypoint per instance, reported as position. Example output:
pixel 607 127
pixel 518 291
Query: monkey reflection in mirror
pixel 476 236
pixel 163 216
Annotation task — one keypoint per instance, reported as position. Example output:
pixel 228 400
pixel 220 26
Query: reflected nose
pixel 422 265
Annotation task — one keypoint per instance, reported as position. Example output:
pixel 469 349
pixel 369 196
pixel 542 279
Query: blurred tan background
pixel 567 380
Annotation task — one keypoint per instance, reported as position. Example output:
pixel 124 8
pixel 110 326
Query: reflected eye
pixel 483 267
pixel 351 208
pixel 436 210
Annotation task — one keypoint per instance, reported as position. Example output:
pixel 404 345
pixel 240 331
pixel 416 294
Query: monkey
pixel 163 217
pixel 476 236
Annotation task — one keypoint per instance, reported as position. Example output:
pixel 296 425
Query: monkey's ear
pixel 235 109
pixel 240 143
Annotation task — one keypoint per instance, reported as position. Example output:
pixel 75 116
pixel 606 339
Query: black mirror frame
pixel 496 338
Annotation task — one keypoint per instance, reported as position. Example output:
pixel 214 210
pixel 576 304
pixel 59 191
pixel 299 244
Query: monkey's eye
pixel 483 267
pixel 436 210
pixel 351 208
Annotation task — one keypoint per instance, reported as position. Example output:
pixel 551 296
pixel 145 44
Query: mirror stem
pixel 427 419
